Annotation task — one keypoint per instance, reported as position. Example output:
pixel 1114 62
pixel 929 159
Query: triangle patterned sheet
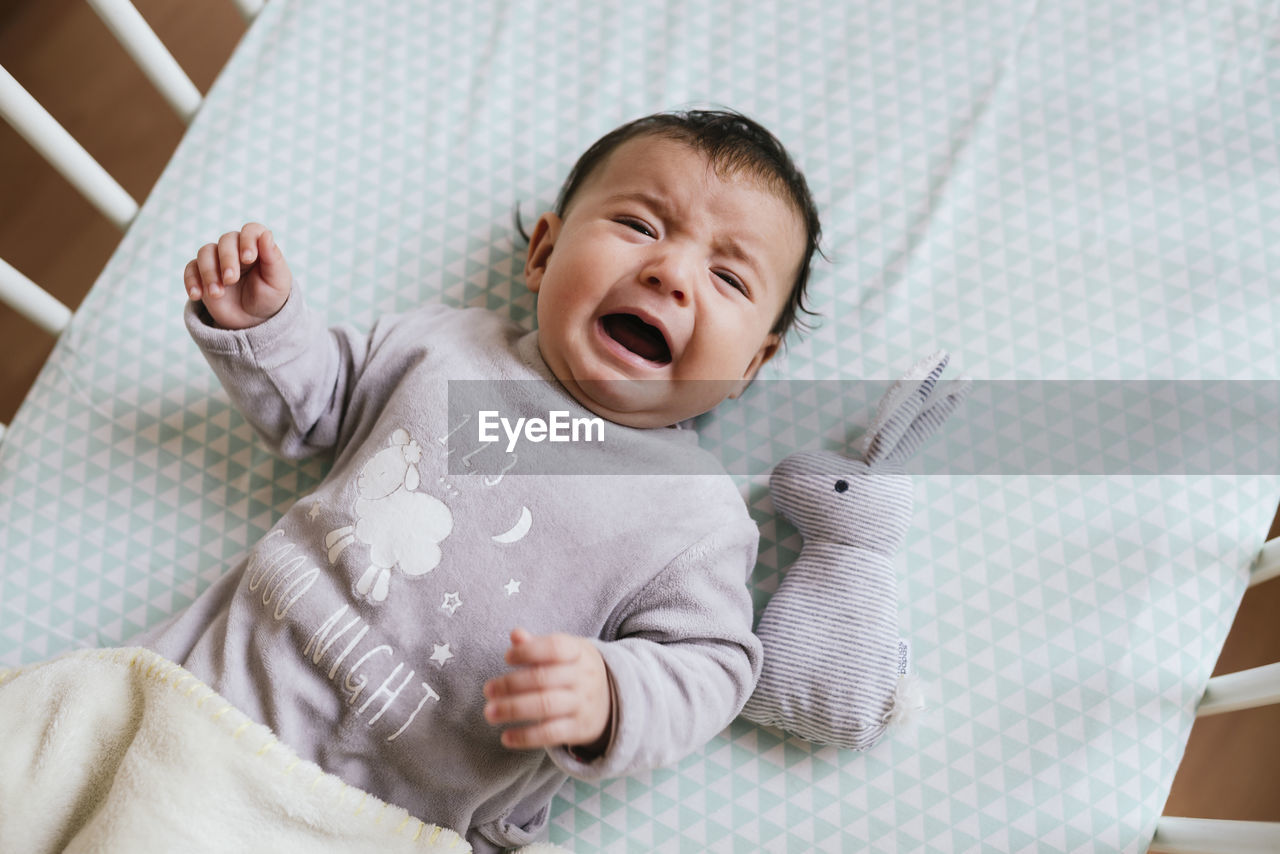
pixel 1047 190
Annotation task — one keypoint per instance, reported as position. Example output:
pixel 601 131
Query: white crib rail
pixel 1267 564
pixel 1246 689
pixel 1258 686
pixel 249 9
pixel 151 56
pixel 43 132
pixel 1230 692
pixel 69 158
pixel 1211 836
pixel 31 301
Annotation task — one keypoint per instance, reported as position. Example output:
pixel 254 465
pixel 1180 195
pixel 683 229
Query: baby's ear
pixel 766 352
pixel 541 242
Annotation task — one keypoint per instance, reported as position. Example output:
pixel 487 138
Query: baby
pixel 394 626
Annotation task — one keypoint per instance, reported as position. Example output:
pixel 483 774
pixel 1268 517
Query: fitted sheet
pixel 1048 190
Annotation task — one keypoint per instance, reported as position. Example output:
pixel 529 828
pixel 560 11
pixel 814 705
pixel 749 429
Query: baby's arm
pixel 287 374
pixel 242 279
pixel 681 665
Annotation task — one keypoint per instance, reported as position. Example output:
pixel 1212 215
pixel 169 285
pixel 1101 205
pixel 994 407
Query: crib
pixel 1051 190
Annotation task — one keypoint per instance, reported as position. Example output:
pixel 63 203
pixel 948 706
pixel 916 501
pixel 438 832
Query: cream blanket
pixel 122 750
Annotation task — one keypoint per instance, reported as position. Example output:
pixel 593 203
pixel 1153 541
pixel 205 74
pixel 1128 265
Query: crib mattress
pixel 1049 190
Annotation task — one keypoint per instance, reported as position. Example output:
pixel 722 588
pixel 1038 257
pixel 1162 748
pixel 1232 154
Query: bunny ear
pixel 912 410
pixel 943 401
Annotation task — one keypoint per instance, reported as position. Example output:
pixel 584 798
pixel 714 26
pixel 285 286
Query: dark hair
pixel 732 143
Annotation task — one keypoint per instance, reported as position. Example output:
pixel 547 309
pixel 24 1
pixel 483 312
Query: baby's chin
pixel 649 403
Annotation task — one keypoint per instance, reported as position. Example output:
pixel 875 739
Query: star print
pixel 512 587
pixel 452 602
pixel 441 654
pixel 313 512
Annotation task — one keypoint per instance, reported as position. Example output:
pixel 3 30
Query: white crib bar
pixel 66 155
pixel 1212 836
pixel 1267 564
pixel 151 55
pixel 46 136
pixel 31 301
pixel 1247 689
pixel 249 9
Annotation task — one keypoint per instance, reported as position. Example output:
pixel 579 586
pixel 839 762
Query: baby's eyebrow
pixel 643 197
pixel 731 247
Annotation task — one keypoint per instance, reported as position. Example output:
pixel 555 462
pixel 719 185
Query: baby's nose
pixel 674 290
pixel 668 276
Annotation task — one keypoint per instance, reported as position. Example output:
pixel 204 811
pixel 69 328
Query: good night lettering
pixel 281 577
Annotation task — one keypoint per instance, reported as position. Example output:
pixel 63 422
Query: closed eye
pixel 636 224
pixel 733 282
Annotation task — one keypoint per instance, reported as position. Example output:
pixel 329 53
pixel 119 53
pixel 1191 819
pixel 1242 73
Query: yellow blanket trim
pixel 149 665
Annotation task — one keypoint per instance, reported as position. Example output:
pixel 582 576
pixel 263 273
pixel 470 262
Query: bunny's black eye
pixel 842 485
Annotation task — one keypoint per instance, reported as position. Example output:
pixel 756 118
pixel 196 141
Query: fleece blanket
pixel 122 750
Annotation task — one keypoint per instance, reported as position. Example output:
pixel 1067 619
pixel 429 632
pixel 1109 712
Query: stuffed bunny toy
pixel 835 670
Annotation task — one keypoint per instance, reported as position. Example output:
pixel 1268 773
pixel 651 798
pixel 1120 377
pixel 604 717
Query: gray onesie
pixel 363 626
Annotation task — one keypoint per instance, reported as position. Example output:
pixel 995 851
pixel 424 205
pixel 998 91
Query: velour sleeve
pixel 289 375
pixel 683 660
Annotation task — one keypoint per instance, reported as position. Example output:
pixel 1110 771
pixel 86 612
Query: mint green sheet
pixel 1049 190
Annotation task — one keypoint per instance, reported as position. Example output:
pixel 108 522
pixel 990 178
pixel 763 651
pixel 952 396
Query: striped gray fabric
pixel 830 632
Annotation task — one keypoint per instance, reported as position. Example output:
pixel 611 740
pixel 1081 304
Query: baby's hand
pixel 560 687
pixel 243 278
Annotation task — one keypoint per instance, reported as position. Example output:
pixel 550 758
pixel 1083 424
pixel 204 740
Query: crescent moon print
pixel 518 530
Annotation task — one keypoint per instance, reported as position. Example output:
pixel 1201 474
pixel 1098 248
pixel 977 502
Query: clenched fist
pixel 242 279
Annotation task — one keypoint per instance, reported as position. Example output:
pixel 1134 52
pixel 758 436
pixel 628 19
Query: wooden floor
pixel 63 55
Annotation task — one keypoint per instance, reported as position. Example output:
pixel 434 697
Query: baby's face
pixel 658 289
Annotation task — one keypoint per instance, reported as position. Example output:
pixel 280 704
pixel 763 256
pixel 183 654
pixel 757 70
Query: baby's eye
pixel 732 281
pixel 636 224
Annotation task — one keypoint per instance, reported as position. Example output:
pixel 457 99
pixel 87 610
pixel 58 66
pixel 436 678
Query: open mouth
pixel 643 339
